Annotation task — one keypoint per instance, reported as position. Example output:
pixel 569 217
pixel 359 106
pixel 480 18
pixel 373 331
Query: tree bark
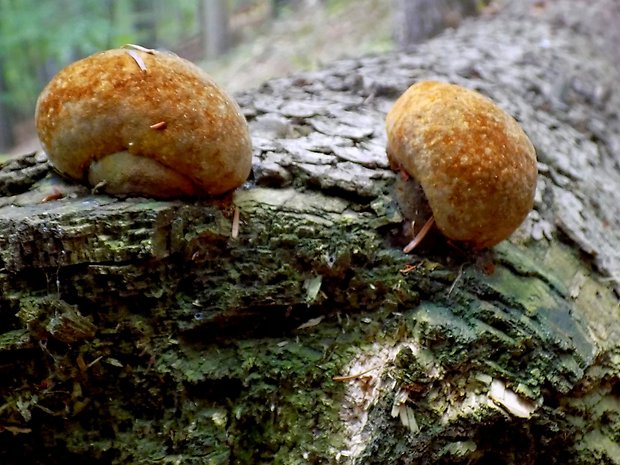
pixel 141 331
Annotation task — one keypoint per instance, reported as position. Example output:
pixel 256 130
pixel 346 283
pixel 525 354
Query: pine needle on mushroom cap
pixel 476 165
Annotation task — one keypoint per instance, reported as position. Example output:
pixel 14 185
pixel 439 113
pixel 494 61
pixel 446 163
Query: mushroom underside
pixel 123 173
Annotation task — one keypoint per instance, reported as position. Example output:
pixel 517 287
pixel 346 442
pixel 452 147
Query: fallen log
pixel 143 331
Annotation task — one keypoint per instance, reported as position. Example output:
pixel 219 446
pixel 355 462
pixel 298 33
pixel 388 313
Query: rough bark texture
pixel 139 331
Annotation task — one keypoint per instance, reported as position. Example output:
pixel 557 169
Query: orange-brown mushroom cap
pixel 157 114
pixel 476 165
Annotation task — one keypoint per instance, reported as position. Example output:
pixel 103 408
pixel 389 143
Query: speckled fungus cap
pixel 476 165
pixel 139 121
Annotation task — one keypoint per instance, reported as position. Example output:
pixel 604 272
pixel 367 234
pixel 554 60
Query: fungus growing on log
pixel 475 165
pixel 136 121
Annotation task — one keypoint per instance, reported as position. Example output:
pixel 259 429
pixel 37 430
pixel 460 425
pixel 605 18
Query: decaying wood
pixel 141 331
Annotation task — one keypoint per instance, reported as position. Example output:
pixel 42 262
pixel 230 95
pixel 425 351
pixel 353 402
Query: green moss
pixel 14 340
pixel 212 349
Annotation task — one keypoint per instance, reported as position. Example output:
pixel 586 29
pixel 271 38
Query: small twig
pixel 138 59
pixel 54 195
pixel 370 97
pixel 418 238
pixel 458 276
pixel 355 376
pixel 150 51
pixel 408 268
pixel 235 224
pixel 160 125
pixel 94 362
pixel 100 185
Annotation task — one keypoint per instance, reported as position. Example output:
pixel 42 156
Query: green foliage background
pixel 38 38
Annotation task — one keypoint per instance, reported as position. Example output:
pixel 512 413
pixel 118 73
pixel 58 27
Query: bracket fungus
pixel 136 121
pixel 475 165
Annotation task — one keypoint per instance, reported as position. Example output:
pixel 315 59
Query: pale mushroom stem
pixel 419 236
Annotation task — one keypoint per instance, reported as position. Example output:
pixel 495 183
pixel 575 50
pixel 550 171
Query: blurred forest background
pixel 241 43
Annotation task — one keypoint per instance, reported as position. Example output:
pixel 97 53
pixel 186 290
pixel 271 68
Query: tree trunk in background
pixel 277 6
pixel 215 27
pixel 6 133
pixel 146 22
pixel 141 331
pixel 417 20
